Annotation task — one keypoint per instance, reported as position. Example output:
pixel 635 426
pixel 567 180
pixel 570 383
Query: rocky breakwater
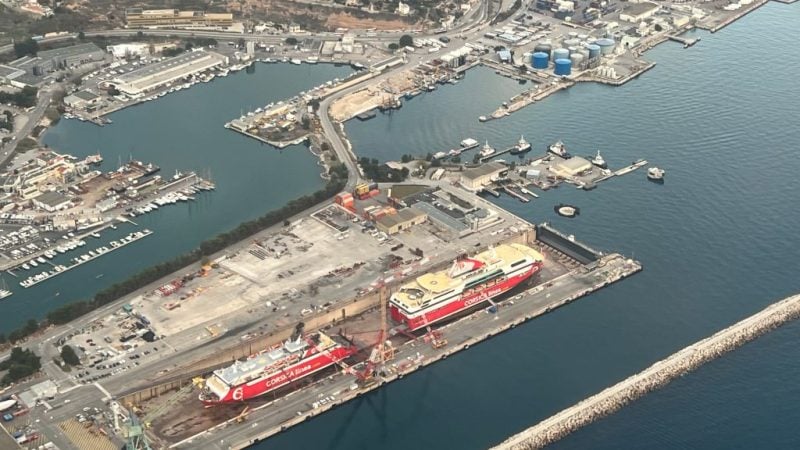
pixel 654 377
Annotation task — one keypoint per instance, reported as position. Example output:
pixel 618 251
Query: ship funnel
pixel 298 331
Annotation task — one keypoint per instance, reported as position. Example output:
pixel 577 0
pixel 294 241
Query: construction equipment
pixel 383 350
pixel 134 430
pixel 243 415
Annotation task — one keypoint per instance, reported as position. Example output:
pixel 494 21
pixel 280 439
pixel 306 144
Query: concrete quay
pixel 654 377
pixel 276 416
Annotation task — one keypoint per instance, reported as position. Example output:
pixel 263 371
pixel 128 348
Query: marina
pixel 84 258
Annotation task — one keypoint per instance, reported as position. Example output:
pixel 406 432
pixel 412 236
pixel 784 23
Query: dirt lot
pixel 344 20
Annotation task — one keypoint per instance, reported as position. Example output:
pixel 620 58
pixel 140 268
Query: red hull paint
pixel 420 320
pixel 267 384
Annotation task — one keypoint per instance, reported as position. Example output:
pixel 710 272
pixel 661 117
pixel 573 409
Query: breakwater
pixel 659 374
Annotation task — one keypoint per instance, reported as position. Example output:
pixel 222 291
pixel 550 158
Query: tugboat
pixel 655 175
pixel 521 147
pixel 559 149
pixel 599 161
pixel 487 150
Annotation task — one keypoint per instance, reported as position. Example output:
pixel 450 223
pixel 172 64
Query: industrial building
pixel 480 176
pixel 69 57
pixel 403 220
pixel 173 18
pixel 572 167
pixel 159 74
pixel 10 75
pixel 636 12
pixel 82 99
pixel 51 201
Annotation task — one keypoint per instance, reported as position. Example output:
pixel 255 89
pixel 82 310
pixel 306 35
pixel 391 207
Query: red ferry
pixel 436 296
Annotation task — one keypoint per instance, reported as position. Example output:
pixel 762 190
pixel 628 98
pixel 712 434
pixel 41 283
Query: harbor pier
pixel 659 374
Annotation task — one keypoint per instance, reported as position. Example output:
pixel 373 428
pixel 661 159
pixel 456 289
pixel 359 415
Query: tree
pixel 69 356
pixel 405 158
pixel 241 43
pixel 429 156
pixel 456 159
pixel 139 34
pixel 393 46
pixel 26 47
pixel 291 41
pixel 406 41
pixel 81 35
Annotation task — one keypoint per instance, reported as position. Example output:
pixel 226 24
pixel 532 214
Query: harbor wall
pixel 659 374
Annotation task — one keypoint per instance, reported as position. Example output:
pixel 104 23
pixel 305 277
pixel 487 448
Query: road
pixel 45 95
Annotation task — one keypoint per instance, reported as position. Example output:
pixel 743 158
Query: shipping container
pixel 374 192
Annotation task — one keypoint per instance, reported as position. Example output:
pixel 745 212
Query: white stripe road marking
pixel 97 385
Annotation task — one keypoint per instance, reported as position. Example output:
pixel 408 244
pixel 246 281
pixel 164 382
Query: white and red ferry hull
pixel 267 384
pixel 460 303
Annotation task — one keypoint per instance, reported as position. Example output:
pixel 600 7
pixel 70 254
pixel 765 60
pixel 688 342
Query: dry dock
pixel 589 272
pixel 654 377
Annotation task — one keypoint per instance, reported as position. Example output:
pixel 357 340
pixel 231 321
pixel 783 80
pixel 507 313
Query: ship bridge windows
pixel 413 293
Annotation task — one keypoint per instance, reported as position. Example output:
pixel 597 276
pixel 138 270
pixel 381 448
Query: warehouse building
pixel 52 201
pixel 403 220
pixel 480 176
pixel 156 75
pixel 637 12
pixel 173 18
pixel 69 57
pixel 572 167
pixel 82 99
pixel 10 75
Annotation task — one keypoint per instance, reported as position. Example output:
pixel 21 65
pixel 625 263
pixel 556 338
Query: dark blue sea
pixel 719 241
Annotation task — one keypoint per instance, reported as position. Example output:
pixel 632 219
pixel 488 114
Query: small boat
pixel 487 150
pixel 599 161
pixel 565 210
pixel 655 175
pixel 558 148
pixel 4 292
pixel 95 235
pixel 26 266
pixel 33 263
pixel 521 147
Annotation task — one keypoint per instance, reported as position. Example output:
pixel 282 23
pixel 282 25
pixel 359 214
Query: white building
pixel 130 50
pixel 403 9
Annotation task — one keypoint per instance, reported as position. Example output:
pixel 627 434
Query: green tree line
pixel 74 310
pixel 24 98
pixel 21 363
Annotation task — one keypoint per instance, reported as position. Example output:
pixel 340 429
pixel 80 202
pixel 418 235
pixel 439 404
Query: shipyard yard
pixel 256 293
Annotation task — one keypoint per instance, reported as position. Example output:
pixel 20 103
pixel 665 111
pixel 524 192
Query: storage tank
pixel 539 60
pixel 543 48
pixel 572 34
pixel 584 52
pixel 577 60
pixel 560 53
pixel 594 50
pixel 563 67
pixel 606 45
pixel 572 43
pixel 583 37
pixel 572 50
